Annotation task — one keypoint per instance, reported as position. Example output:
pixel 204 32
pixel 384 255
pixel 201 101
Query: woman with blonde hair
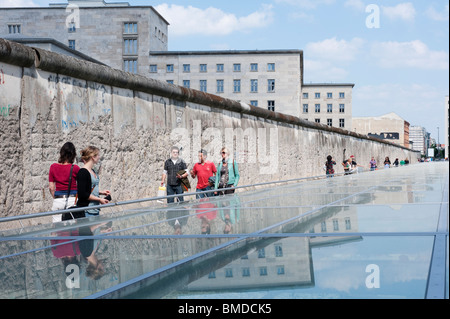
pixel 227 173
pixel 88 182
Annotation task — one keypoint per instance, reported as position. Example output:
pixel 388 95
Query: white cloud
pixel 335 50
pixel 433 14
pixel 17 3
pixel 323 71
pixel 211 21
pixel 414 54
pixel 403 11
pixel 356 4
pixel 306 4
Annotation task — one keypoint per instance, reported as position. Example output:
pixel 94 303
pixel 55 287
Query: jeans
pixel 172 190
pixel 200 193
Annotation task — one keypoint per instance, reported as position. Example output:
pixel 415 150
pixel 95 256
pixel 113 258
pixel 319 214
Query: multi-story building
pixel 135 39
pixel 117 34
pixel 327 103
pixel 419 139
pixel 447 131
pixel 390 127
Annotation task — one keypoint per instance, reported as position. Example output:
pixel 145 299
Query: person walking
pixel 172 168
pixel 387 162
pixel 329 166
pixel 373 164
pixel 227 173
pixel 203 170
pixel 59 176
pixel 88 182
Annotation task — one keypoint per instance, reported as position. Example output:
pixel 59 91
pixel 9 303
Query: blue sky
pixel 395 52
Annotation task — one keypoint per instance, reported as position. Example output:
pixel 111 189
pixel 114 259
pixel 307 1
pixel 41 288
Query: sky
pixel 395 52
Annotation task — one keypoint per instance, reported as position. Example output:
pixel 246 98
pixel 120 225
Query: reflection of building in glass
pixel 286 262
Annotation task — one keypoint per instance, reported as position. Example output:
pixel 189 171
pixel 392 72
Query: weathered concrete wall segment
pixel 47 99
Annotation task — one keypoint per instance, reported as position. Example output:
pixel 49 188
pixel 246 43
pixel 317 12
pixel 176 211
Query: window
pixel 236 86
pixel 219 86
pixel 219 67
pixel 329 95
pixel 305 95
pixel 169 81
pixel 317 108
pixel 153 68
pixel 261 253
pixel 341 123
pixel 280 270
pixel 278 251
pixel 212 275
pixel 271 106
pixel 329 122
pixel 246 272
pixel 14 28
pixel 254 67
pixel 203 68
pixel 323 227
pixel 305 108
pixel 263 271
pixel 254 103
pixel 130 27
pixel 341 95
pixel 329 108
pixel 254 85
pixel 271 85
pixel 203 86
pixel 317 120
pixel 186 68
pixel 237 67
pixel 130 47
pixel 72 27
pixel 317 95
pixel 72 44
pixel 187 83
pixel 348 224
pixel 130 65
pixel 169 68
pixel 271 67
pixel 335 225
pixel 228 272
pixel 341 108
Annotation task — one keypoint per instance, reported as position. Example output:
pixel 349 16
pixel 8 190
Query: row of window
pixel 220 85
pixel 348 225
pixel 14 28
pixel 329 95
pixel 329 108
pixel 330 122
pixel 246 272
pixel 220 67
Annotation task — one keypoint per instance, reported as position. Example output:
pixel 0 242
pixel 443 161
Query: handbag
pixel 72 215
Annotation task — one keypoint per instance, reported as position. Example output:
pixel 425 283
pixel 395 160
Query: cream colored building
pixel 390 127
pixel 327 103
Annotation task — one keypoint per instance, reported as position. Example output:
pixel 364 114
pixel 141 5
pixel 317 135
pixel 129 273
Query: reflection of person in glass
pixel 206 212
pixel 89 247
pixel 68 253
pixel 230 213
pixel 177 218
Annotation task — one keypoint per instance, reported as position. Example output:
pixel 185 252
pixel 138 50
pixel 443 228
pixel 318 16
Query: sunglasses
pixel 224 152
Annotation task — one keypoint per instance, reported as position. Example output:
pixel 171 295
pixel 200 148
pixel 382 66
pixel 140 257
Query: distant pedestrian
pixel 373 164
pixel 172 167
pixel 395 162
pixel 203 170
pixel 227 173
pixel 88 182
pixel 329 166
pixel 387 162
pixel 58 178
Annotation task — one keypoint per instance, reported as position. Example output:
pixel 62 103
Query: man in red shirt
pixel 203 170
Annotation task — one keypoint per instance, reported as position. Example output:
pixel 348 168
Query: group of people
pixel 350 164
pixel 72 186
pixel 210 179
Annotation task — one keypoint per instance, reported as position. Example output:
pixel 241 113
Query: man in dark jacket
pixel 171 168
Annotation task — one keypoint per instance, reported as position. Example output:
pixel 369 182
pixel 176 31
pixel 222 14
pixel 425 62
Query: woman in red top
pixel 58 178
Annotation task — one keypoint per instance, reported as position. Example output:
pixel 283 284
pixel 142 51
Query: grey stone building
pixel 117 34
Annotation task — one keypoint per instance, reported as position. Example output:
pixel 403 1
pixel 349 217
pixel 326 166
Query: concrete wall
pixel 47 99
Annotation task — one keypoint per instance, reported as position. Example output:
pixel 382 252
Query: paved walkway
pixel 380 234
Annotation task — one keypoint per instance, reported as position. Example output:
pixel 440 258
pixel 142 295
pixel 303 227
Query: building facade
pixel 419 139
pixel 390 127
pixel 329 104
pixel 117 34
pixel 447 131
